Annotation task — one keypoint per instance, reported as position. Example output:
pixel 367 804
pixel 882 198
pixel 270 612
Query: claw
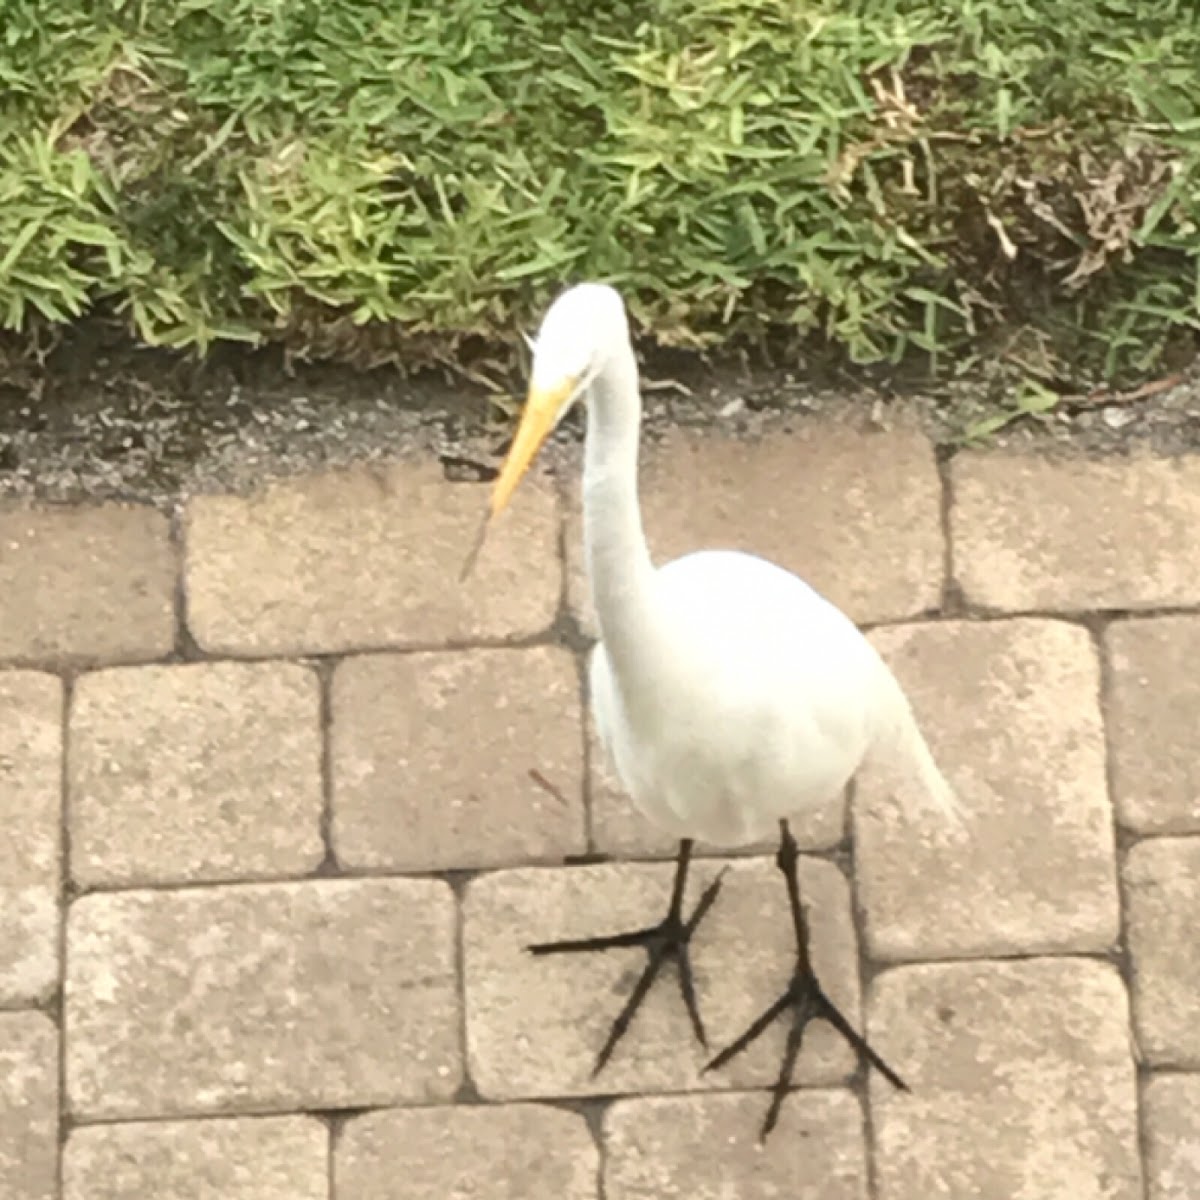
pixel 670 939
pixel 808 1002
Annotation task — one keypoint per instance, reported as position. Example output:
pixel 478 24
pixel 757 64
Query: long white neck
pixel 618 561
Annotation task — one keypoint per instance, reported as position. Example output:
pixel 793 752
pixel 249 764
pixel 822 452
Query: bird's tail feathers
pixel 901 750
pixel 933 783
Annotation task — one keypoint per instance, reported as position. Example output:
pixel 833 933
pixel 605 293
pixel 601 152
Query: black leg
pixel 669 939
pixel 804 996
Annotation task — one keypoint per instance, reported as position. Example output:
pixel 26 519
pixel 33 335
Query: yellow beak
pixel 542 408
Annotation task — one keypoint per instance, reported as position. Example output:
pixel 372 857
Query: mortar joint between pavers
pixel 80 664
pixel 859 1085
pixel 566 631
pixel 49 1004
pixel 1142 1077
pixel 1097 628
pixel 459 881
pixel 566 624
pixel 468 1095
pixel 592 1110
pixel 187 649
pixel 548 636
pixel 587 761
pixel 324 669
pixel 954 599
pixel 66 887
pixel 333 1131
pixel 576 639
pixel 1122 956
pixel 335 1121
pixel 1086 619
pixel 561 510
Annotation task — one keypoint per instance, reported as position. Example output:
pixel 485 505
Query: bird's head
pixel 578 332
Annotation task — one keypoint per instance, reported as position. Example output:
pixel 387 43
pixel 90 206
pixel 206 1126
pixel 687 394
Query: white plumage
pixel 765 701
pixel 730 696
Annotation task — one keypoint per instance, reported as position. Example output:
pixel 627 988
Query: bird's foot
pixel 669 939
pixel 808 1002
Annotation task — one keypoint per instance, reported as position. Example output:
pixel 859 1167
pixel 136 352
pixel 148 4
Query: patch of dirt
pixel 110 422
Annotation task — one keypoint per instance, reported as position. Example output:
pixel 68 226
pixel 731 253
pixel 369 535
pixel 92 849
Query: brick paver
pixel 1154 712
pixel 1011 710
pixel 415 793
pixel 1171 1116
pixel 1022 1082
pixel 199 772
pixel 501 1152
pixel 327 994
pixel 83 585
pixel 30 773
pixel 246 1016
pixel 855 514
pixel 1031 532
pixel 1162 880
pixel 28 1106
pixel 534 1025
pixel 244 1158
pixel 706 1148
pixel 366 557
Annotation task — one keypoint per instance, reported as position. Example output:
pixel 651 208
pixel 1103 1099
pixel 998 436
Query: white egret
pixel 729 695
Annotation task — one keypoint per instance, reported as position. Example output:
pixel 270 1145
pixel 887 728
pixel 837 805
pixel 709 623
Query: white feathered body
pixel 761 701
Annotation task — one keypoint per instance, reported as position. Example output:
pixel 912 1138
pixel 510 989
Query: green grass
pixel 366 179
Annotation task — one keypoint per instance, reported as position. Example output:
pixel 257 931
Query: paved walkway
pixel 275 838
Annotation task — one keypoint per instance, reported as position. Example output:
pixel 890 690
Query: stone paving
pixel 283 803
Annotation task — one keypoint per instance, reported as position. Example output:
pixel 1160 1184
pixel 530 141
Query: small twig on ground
pixel 1101 397
pixel 546 785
